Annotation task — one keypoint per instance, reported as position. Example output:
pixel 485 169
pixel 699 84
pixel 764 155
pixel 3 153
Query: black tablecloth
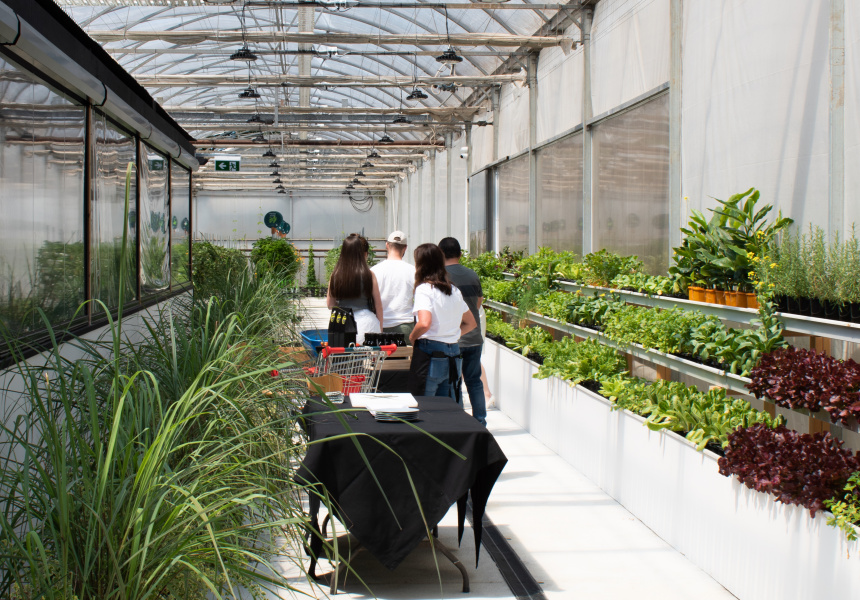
pixel 439 476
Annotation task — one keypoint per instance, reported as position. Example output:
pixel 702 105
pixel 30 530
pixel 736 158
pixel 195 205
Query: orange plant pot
pixel 751 300
pixel 735 299
pixel 711 296
pixel 720 297
pixel 696 294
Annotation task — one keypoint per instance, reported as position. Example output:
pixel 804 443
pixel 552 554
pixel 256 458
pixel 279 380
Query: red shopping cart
pixel 356 367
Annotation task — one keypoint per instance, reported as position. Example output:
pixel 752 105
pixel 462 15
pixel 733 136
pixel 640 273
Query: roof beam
pixel 439 112
pixel 237 80
pixel 329 127
pixel 183 37
pixel 203 143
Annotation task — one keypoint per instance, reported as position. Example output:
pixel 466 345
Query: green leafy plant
pixel 594 310
pixel 604 266
pixel 486 265
pixel 528 340
pixel 704 417
pixel 278 257
pixel 501 291
pixel 576 362
pixel 815 258
pixel 846 511
pixel 214 267
pixel 312 280
pixel 663 330
pixel 653 285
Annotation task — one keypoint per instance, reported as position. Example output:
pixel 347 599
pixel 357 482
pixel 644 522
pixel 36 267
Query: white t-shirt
pixel 446 312
pixel 396 279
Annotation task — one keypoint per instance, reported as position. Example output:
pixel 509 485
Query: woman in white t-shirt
pixel 442 316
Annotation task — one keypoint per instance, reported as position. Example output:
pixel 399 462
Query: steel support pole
pixel 433 233
pixel 449 181
pixel 675 205
pixel 587 212
pixel 496 99
pixel 533 183
pixel 468 198
pixel 836 168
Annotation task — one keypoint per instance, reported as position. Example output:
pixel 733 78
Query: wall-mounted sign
pixel 156 162
pixel 284 227
pixel 185 224
pixel 174 222
pixel 231 162
pixel 273 219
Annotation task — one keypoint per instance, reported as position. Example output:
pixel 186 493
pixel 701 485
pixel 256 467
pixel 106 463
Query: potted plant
pixel 850 286
pixel 815 259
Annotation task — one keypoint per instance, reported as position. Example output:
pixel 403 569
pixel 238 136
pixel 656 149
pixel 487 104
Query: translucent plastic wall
pixel 478 213
pixel 559 195
pixel 513 203
pixel 631 184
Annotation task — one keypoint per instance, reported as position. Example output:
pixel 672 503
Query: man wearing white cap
pixel 396 286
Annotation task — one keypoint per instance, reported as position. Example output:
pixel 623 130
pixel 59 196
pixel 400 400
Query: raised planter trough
pixel 755 547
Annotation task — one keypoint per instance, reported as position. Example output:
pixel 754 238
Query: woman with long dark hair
pixel 442 317
pixel 353 285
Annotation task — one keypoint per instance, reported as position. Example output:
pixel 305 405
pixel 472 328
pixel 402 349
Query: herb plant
pixel 846 510
pixel 278 257
pixel 576 362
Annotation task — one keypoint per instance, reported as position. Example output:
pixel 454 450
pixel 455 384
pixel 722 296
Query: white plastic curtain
pixel 559 199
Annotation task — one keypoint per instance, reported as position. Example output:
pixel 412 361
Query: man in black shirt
pixel 472 343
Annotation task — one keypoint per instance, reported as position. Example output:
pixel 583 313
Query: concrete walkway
pixel 575 540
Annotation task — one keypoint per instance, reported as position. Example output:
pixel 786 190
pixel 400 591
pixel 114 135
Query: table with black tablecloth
pixel 384 516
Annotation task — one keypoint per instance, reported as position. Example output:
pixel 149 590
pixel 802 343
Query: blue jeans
pixel 472 376
pixel 438 378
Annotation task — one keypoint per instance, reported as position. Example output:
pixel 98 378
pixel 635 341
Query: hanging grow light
pixel 416 94
pixel 278 180
pixel 244 53
pixel 386 139
pixel 367 165
pixel 373 154
pixel 449 57
pixel 269 154
pixel 260 139
pixel 249 93
pixel 273 164
pixel 255 118
pixel 399 119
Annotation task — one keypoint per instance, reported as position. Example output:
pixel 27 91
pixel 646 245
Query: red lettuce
pixel 797 468
pixel 798 378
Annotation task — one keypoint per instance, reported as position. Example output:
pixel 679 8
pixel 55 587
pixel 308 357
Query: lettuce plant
pixel 575 362
pixel 796 468
pixel 799 378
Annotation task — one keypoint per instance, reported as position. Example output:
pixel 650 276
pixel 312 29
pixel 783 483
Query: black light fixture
pixel 278 180
pixel 244 53
pixel 350 187
pixel 399 119
pixel 360 173
pixel 385 139
pixel 249 93
pixel 280 187
pixel 275 174
pixel 260 139
pixel 345 192
pixel 255 118
pixel 273 164
pixel 356 181
pixel 449 57
pixel 282 191
pixel 367 165
pixel 373 154
pixel 269 154
pixel 416 94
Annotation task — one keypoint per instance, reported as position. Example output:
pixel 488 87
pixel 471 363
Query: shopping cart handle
pixel 326 351
pixel 389 349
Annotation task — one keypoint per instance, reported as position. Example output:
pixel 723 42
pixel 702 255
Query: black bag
pixel 342 330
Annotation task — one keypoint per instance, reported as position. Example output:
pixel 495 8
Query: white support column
pixel 587 212
pixel 837 117
pixel 449 145
pixel 433 233
pixel 496 99
pixel 467 197
pixel 533 101
pixel 675 205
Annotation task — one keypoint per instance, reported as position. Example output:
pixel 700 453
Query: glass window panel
pixel 478 213
pixel 180 223
pixel 154 213
pixel 559 195
pixel 113 151
pixel 41 199
pixel 514 204
pixel 631 184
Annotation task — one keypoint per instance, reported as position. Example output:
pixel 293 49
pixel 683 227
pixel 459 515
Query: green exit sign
pixel 228 163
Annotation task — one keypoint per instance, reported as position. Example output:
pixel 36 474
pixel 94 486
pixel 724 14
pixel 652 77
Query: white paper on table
pixel 377 402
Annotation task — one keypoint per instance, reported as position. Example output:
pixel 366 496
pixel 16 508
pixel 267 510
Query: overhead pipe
pixel 193 37
pixel 404 81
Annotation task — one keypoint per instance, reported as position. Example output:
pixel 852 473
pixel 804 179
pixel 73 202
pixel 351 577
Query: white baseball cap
pixel 397 237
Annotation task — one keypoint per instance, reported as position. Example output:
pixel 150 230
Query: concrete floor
pixel 575 539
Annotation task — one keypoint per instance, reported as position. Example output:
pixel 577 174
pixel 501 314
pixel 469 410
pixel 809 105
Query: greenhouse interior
pixel 412 299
